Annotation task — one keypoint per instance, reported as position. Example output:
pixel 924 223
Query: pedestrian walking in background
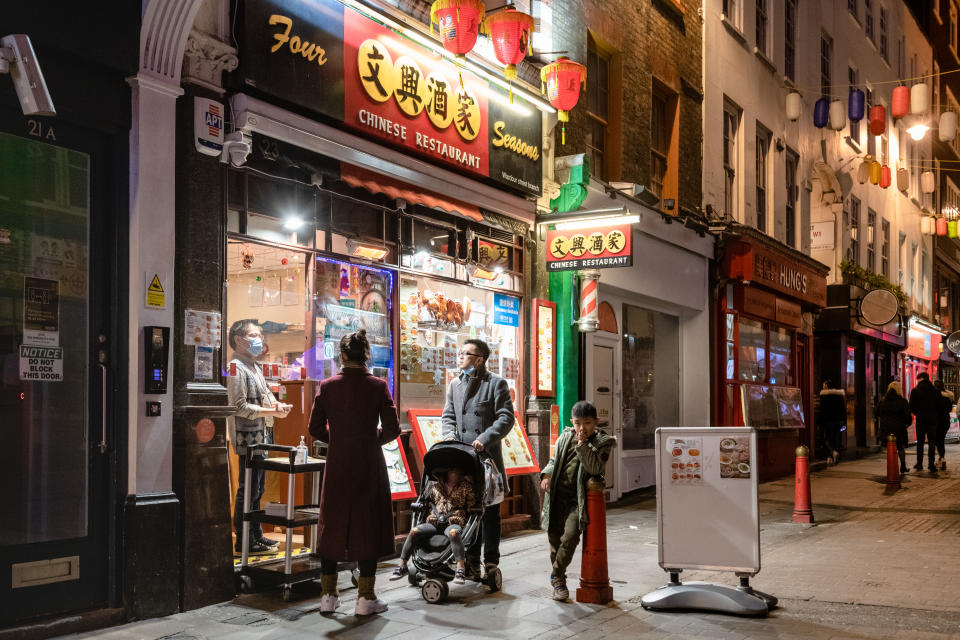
pixel 581 452
pixel 251 424
pixel 895 417
pixel 943 423
pixel 479 411
pixel 356 512
pixel 926 404
pixel 833 418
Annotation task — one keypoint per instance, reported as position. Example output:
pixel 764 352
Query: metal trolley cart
pixel 288 570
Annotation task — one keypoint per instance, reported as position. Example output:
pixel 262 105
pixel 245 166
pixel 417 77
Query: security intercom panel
pixel 156 347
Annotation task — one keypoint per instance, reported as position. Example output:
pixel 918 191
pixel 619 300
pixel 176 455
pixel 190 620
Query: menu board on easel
pixel 398 471
pixel 515 447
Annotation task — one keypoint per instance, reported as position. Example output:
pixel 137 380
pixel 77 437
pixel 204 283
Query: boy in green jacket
pixel 581 452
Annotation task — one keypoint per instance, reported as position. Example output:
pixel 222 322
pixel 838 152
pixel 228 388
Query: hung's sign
pixel 332 60
pixel 600 247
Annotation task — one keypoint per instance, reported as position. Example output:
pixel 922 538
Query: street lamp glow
pixel 292 223
pixel 917 131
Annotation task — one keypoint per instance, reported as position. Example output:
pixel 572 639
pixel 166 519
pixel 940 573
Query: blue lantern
pixel 821 113
pixel 856 109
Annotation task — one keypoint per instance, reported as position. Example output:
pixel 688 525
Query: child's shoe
pixel 560 591
pixel 399 572
pixel 459 577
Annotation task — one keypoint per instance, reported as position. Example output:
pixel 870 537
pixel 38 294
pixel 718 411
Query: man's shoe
pixel 918 467
pixel 267 542
pixel 904 469
pixel 933 471
pixel 399 572
pixel 329 603
pixel 366 606
pixel 560 591
pixel 943 464
pixel 489 568
pixel 256 549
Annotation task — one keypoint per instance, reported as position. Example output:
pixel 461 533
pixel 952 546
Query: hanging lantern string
pixel 816 90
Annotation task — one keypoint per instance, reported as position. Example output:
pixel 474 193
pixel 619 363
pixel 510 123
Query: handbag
pixel 493 483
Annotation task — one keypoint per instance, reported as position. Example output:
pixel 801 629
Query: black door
pixel 55 348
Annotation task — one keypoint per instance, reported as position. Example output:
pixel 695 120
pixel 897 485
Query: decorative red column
pixel 893 464
pixel 802 510
pixel 594 582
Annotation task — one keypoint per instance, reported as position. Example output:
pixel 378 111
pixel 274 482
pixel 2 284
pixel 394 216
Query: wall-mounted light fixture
pixel 369 251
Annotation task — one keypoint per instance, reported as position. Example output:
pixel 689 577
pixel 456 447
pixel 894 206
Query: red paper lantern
pixel 459 23
pixel 942 226
pixel 561 81
pixel 885 177
pixel 878 120
pixel 900 102
pixel 510 32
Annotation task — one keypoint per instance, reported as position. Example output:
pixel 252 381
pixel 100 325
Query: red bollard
pixel 893 463
pixel 594 582
pixel 802 510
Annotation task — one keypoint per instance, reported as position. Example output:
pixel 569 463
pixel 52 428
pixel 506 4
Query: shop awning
pixel 379 183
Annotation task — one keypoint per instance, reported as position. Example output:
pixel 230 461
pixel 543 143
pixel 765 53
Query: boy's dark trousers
pixel 563 534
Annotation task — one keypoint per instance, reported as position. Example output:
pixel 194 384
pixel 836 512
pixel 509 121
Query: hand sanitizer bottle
pixel 301 452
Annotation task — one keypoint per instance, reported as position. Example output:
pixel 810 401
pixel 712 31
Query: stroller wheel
pixel 495 580
pixel 433 591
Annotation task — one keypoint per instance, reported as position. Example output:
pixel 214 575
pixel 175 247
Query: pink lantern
pixel 885 177
pixel 878 120
pixel 901 102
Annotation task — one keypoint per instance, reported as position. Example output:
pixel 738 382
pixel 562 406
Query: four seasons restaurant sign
pixel 332 60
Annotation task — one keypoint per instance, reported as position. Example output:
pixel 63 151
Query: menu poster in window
pixel 517 453
pixel 271 291
pixel 686 460
pixel 255 294
pixel 398 471
pixel 760 408
pixel 427 428
pixel 544 340
pixel 790 405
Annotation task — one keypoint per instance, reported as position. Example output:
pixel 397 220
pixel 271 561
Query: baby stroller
pixel 432 561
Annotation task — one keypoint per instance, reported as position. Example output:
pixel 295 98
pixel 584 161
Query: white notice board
pixel 707 510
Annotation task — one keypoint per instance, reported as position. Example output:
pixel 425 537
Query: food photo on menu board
pixel 398 471
pixel 735 457
pixel 686 460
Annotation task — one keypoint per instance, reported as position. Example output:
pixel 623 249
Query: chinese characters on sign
pixel 597 248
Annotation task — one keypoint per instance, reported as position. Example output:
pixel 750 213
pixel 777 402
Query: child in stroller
pixel 446 521
pixel 448 499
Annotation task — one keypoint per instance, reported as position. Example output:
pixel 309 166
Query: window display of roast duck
pixel 446 312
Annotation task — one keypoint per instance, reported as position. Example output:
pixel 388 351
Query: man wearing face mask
pixel 247 390
pixel 479 411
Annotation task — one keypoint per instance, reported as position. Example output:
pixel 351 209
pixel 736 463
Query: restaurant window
pixel 598 111
pixel 274 210
pixel 651 385
pixel 436 317
pixel 792 162
pixel 753 351
pixel 762 151
pixel 731 159
pixel 790 39
pixel 763 26
pixel 731 346
pixel 781 356
pixel 871 244
pixel 885 248
pixel 854 229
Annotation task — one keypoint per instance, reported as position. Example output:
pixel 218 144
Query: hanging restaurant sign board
pixel 600 247
pixel 953 343
pixel 334 61
pixel 878 307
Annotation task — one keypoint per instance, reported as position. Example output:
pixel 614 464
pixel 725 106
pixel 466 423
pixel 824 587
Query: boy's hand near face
pixel 584 429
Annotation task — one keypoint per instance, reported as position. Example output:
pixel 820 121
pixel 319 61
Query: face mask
pixel 255 346
pixel 469 369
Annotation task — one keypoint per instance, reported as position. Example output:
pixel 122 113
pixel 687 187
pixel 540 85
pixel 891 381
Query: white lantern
pixel 919 99
pixel 903 179
pixel 948 126
pixel 838 115
pixel 927 182
pixel 794 103
pixel 863 171
pixel 927 226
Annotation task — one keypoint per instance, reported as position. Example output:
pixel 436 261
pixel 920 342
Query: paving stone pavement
pixel 873 566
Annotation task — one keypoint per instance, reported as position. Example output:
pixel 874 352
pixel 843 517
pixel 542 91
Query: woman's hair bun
pixel 356 346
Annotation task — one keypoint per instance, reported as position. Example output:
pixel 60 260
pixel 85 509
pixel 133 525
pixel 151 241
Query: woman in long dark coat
pixel 895 417
pixel 356 516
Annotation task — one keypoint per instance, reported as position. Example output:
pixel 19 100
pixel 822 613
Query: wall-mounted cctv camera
pixel 236 148
pixel 17 59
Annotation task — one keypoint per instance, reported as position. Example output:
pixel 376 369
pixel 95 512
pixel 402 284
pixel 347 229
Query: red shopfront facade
pixel 921 355
pixel 765 296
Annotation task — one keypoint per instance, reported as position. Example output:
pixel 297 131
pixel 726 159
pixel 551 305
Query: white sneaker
pixel 329 603
pixel 366 607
